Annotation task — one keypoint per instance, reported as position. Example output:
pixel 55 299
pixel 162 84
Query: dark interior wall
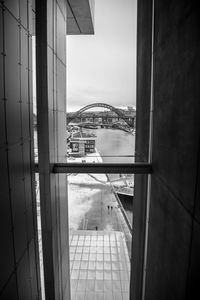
pixel 51 116
pixel 19 273
pixel 174 227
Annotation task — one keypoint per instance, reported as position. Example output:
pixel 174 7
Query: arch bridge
pixel 104 105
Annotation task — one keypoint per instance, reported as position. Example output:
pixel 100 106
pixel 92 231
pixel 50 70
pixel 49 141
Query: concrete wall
pixel 174 218
pixel 51 113
pixel 19 273
pixel 174 226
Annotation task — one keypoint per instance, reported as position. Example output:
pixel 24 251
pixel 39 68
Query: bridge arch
pixel 104 105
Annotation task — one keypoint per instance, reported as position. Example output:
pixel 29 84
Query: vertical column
pixel 51 105
pixel 144 43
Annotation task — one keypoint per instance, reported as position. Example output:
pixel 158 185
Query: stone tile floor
pixel 99 265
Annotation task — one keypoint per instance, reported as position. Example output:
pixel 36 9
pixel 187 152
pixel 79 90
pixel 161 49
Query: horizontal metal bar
pixel 100 168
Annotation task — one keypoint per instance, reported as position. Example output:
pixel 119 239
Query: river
pixel 116 146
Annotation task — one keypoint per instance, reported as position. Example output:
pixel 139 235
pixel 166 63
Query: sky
pixel 102 67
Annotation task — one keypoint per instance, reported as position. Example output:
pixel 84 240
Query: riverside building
pixel 82 144
pixel 166 216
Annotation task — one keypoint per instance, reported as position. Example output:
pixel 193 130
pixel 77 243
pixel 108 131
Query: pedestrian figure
pixel 96 228
pixel 108 209
pixel 111 209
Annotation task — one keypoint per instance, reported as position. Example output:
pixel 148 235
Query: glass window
pixel 101 86
pixel 100 223
pixel 101 115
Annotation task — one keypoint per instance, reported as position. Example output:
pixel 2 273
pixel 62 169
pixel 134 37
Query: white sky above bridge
pixel 102 67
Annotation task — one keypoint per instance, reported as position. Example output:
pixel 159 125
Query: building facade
pixel 82 144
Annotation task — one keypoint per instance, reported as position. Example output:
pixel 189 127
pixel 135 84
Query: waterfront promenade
pixel 92 203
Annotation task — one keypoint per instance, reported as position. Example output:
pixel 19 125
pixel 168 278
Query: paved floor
pixel 99 265
pixel 100 241
pixel 94 206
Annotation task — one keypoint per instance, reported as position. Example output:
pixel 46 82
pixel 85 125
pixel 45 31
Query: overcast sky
pixel 102 67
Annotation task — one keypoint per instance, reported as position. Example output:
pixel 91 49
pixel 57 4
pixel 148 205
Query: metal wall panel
pixel 19 219
pixel 6 249
pixel 23 273
pixel 61 69
pixel 10 291
pixel 50 24
pixel 19 251
pixel 12 78
pixel 13 7
pixel 60 33
pixel 15 166
pixel 23 12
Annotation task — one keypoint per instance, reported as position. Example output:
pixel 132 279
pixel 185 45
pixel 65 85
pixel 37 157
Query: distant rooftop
pixel 80 134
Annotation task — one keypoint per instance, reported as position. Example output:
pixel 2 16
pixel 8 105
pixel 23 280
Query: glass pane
pixel 101 87
pixel 100 233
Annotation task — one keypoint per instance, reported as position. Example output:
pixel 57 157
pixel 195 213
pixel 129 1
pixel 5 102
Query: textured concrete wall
pixel 19 272
pixel 174 228
pixel 51 114
pixel 174 218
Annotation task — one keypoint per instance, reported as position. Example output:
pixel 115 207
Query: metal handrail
pixel 99 168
